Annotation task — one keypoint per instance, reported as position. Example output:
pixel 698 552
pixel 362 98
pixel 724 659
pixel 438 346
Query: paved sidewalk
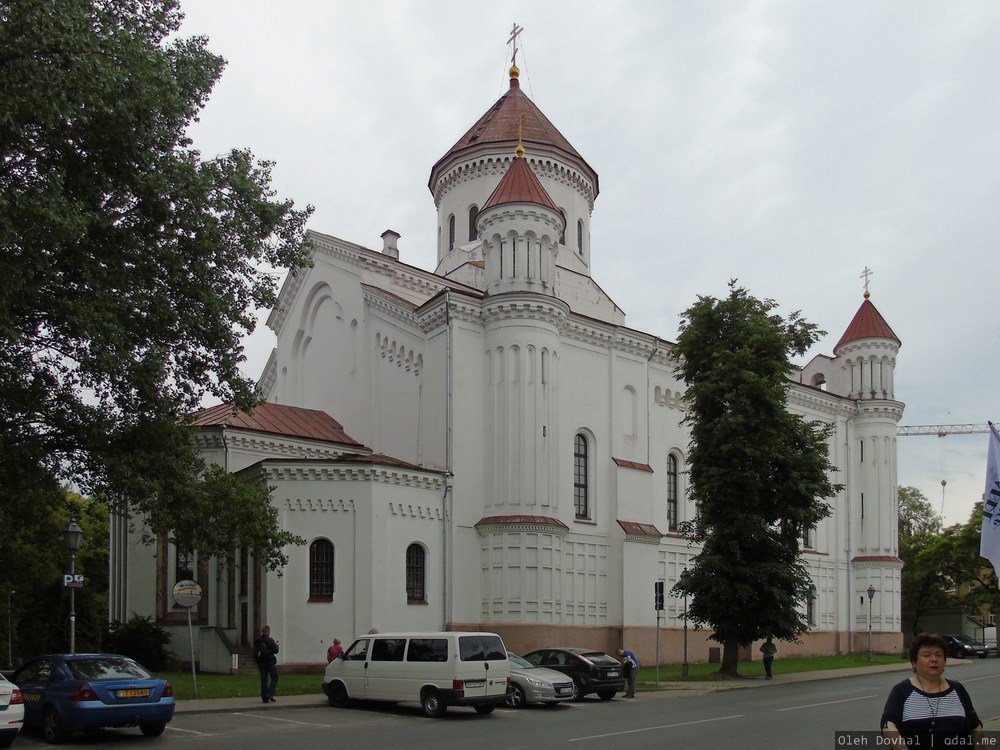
pixel 647 690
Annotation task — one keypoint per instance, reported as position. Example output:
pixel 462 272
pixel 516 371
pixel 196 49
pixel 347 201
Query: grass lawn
pixel 703 672
pixel 248 685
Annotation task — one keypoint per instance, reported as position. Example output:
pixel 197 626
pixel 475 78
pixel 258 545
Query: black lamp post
pixel 72 535
pixel 685 584
pixel 10 633
pixel 871 595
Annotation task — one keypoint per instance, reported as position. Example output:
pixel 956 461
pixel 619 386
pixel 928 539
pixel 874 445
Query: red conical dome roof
pixel 514 118
pixel 868 323
pixel 520 185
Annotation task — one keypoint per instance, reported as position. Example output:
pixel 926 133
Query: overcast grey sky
pixel 785 144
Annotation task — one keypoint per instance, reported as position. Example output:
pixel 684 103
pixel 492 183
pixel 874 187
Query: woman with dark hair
pixel 927 710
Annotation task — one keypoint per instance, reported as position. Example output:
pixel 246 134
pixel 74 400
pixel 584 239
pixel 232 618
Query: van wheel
pixel 432 704
pixel 337 695
pixel 516 697
pixel 485 708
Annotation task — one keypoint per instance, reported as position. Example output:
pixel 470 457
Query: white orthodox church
pixel 489 446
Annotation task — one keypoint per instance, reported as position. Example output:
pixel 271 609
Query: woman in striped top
pixel 928 709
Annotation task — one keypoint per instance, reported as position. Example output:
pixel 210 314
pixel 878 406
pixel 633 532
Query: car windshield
pixel 964 639
pixel 520 661
pixel 106 668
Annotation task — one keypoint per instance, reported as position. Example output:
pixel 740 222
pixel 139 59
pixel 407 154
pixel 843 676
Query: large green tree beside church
pixel 758 473
pixel 130 267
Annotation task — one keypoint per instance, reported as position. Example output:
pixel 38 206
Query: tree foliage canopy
pixel 758 473
pixel 131 265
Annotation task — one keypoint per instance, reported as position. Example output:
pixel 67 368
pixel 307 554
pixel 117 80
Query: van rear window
pixel 427 649
pixel 481 648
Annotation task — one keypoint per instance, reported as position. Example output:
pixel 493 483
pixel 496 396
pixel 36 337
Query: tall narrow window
pixel 415 572
pixel 811 608
pixel 562 232
pixel 579 236
pixel 581 499
pixel 184 568
pixel 672 493
pixel 473 216
pixel 321 570
pixel 451 232
pixel 807 541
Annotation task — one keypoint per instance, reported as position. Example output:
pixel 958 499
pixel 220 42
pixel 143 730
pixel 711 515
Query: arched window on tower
pixel 416 570
pixel 473 216
pixel 451 232
pixel 672 492
pixel 562 233
pixel 581 478
pixel 579 236
pixel 321 570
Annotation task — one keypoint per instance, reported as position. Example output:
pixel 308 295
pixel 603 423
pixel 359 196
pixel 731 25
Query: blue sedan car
pixel 65 693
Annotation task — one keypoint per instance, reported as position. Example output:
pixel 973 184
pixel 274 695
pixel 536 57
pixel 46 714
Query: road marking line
pixel 984 677
pixel 653 729
pixel 829 703
pixel 287 721
pixel 189 731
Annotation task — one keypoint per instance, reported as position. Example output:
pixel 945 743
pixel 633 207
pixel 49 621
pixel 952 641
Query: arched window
pixel 451 232
pixel 473 215
pixel 321 570
pixel 562 233
pixel 579 236
pixel 672 492
pixel 416 593
pixel 581 479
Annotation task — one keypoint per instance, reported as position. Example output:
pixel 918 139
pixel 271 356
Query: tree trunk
pixel 730 658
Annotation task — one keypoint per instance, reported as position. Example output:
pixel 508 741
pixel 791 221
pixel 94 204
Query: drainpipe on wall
pixel 218 563
pixel 449 426
pixel 649 411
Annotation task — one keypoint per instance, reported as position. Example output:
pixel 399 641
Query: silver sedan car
pixel 534 684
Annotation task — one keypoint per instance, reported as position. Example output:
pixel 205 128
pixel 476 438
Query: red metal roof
pixel 513 119
pixel 868 323
pixel 502 520
pixel 277 419
pixel 632 465
pixel 634 528
pixel 520 185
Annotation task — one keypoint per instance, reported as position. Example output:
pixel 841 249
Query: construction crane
pixel 942 430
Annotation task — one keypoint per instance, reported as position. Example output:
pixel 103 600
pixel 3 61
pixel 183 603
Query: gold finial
pixel 520 133
pixel 514 32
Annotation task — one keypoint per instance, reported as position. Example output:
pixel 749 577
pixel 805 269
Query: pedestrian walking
pixel 630 666
pixel 769 649
pixel 335 651
pixel 265 651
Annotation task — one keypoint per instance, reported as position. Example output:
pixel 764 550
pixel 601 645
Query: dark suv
pixel 963 647
pixel 591 671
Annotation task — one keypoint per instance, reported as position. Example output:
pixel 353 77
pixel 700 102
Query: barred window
pixel 321 570
pixel 581 483
pixel 416 593
pixel 672 493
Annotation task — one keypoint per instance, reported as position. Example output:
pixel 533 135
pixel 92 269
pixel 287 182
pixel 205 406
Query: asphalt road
pixel 777 714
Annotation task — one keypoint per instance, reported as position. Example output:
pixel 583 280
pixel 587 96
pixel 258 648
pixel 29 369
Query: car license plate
pixel 475 683
pixel 612 674
pixel 134 693
pixel 564 690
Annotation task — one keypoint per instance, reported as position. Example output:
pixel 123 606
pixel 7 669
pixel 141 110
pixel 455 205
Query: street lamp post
pixel 72 535
pixel 10 633
pixel 871 595
pixel 685 584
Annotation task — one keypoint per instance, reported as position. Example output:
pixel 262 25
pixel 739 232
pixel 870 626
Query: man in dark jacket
pixel 264 650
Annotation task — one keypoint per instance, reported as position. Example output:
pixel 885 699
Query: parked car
pixel 11 711
pixel 534 684
pixel 65 693
pixel 591 671
pixel 963 647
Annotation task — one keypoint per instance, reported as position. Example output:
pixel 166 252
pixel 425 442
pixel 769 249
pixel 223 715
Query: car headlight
pixel 535 683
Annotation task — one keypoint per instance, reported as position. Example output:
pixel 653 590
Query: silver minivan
pixel 436 670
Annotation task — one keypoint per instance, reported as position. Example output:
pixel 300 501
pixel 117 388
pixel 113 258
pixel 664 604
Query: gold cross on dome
pixel 515 31
pixel 866 275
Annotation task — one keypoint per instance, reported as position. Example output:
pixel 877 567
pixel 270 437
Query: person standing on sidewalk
pixel 265 651
pixel 630 666
pixel 769 649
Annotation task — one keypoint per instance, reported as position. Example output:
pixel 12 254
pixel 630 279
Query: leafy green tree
pixel 923 581
pixel 131 266
pixel 758 473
